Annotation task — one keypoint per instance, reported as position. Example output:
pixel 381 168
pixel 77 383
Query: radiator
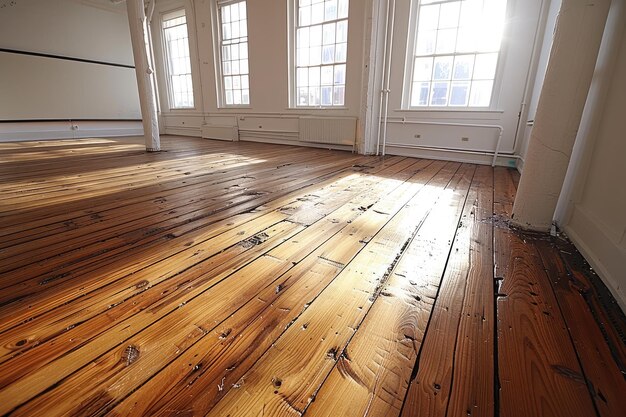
pixel 221 132
pixel 331 130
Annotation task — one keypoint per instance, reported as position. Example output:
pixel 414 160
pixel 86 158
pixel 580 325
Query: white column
pixel 136 21
pixel 568 77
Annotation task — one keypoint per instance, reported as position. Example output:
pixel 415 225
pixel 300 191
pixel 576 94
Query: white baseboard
pixel 183 131
pixel 604 255
pixel 447 155
pixel 297 143
pixel 25 131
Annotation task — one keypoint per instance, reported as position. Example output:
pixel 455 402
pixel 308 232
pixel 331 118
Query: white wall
pixel 35 87
pixel 592 208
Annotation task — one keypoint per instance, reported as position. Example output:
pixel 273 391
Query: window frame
pixel 407 81
pixel 164 16
pixel 217 54
pixel 292 60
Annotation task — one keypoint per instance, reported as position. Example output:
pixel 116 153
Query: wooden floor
pixel 240 279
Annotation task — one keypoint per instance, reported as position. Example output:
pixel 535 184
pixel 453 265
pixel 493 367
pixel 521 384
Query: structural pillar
pixel 575 47
pixel 136 21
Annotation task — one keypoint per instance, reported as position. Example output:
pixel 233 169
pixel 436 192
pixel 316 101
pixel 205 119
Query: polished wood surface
pixel 243 279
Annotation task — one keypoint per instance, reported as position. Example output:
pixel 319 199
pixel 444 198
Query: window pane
pixel 304 16
pixel 443 68
pixel 327 75
pixel 330 10
pixel 428 17
pixel 327 96
pixel 321 39
pixel 459 93
pixel 463 65
pixel 426 42
pixel 302 77
pixel 457 45
pixel 328 36
pixel 328 54
pixel 446 41
pixel 314 76
pixel 342 31
pixel 234 47
pixel 338 95
pixel 314 96
pixel 423 69
pixel 449 16
pixel 178 62
pixel 315 35
pixel 419 95
pixel 317 13
pixel 340 74
pixel 480 95
pixel 439 94
pixel 303 96
pixel 342 9
pixel 485 67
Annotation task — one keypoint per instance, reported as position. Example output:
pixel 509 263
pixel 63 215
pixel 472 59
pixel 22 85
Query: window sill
pixel 307 108
pixel 233 107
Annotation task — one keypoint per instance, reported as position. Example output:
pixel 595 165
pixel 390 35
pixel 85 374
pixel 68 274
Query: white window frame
pixel 292 25
pixel 217 53
pixel 407 82
pixel 172 14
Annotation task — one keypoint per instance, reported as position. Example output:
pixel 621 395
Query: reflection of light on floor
pixel 89 184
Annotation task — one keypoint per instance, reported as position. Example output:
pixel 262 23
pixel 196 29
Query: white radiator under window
pixel 220 132
pixel 331 130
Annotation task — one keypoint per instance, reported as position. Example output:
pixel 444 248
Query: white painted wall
pixel 47 88
pixel 592 206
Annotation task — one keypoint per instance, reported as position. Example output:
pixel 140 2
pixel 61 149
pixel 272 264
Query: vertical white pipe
pixel 136 21
pixel 382 79
pixel 388 71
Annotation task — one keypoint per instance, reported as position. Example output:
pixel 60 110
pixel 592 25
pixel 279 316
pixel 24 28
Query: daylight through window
pixel 178 60
pixel 321 52
pixel 456 52
pixel 234 53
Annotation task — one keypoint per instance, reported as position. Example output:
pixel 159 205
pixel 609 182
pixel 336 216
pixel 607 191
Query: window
pixel 321 52
pixel 456 52
pixel 178 60
pixel 233 48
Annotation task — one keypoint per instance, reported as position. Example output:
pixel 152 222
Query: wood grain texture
pixel 248 279
pixel 604 376
pixel 375 368
pixel 538 368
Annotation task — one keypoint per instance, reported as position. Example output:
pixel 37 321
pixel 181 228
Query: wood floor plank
pixel 54 321
pixel 185 332
pixel 453 351
pixel 538 369
pixel 159 221
pixel 230 357
pixel 252 279
pixel 609 317
pixel 605 378
pixel 473 390
pixel 299 360
pixel 375 368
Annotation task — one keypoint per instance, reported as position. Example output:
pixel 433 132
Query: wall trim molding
pixel 48 130
pixel 66 58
